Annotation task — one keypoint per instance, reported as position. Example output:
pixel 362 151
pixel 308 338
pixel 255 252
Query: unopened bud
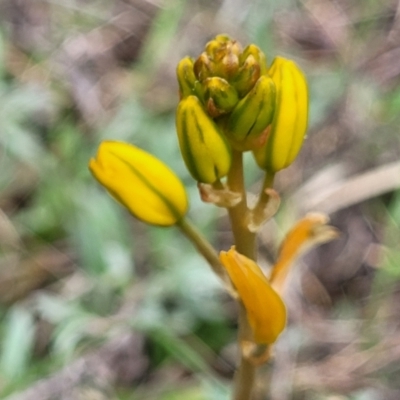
pixel 228 63
pixel 224 54
pixel 140 182
pixel 220 97
pixel 258 55
pixel 252 115
pixel 204 149
pixel 290 118
pixel 186 77
pixel 212 48
pixel 247 76
pixel 203 67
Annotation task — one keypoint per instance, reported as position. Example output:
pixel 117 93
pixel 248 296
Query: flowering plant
pixel 231 102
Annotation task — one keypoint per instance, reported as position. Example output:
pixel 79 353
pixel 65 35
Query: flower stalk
pixel 204 248
pixel 230 102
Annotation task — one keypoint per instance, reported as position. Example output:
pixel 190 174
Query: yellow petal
pixel 141 182
pixel 265 309
pixel 313 229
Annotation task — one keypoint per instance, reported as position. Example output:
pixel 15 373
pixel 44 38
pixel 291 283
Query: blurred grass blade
pixel 18 343
pixel 184 353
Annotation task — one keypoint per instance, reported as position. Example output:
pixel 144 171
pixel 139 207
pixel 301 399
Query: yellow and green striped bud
pixel 247 76
pixel 259 56
pixel 140 182
pixel 219 96
pixel 224 58
pixel 220 45
pixel 204 67
pixel 222 38
pixel 186 77
pixel 246 126
pixel 204 149
pixel 221 59
pixel 228 66
pixel 289 124
pixel 256 108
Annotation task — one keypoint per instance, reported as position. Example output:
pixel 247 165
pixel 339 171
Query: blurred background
pixel 96 305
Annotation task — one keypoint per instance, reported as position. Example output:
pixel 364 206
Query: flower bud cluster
pixel 234 99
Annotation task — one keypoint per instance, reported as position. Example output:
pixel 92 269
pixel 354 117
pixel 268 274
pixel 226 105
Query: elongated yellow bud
pixel 265 309
pixel 204 149
pixel 140 182
pixel 290 119
pixel 252 115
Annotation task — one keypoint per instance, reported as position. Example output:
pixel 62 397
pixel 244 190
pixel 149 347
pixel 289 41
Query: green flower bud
pixel 258 55
pixel 204 149
pixel 216 50
pixel 226 59
pixel 212 48
pixel 246 127
pixel 204 67
pixel 223 55
pixel 247 76
pixel 222 38
pixel 290 119
pixel 220 97
pixel 186 77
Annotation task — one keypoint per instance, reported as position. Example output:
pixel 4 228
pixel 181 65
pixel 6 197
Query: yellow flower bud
pixel 204 149
pixel 290 119
pixel 140 182
pixel 246 127
pixel 265 309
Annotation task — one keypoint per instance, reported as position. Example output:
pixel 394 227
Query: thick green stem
pixel 245 242
pixel 246 372
pixel 244 239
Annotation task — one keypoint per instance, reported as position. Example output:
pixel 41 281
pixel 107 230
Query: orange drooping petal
pixel 266 312
pixel 313 229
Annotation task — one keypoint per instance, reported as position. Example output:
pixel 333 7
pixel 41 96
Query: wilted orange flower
pixel 265 309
